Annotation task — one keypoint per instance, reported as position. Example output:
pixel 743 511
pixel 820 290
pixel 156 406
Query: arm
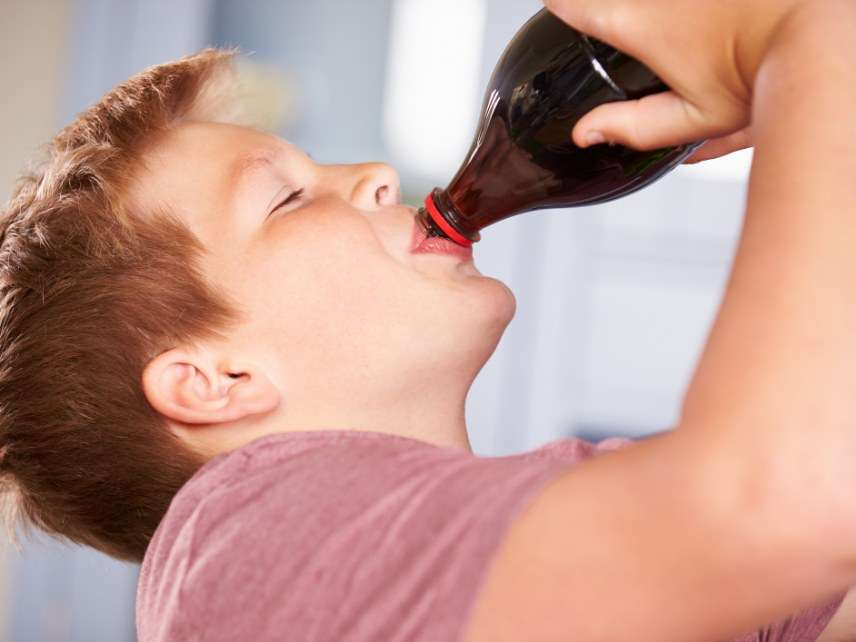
pixel 705 533
pixel 780 364
pixel 649 543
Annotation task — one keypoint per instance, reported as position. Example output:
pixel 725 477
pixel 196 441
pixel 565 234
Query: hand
pixel 707 51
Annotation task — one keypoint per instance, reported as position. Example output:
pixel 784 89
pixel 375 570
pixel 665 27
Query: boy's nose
pixel 374 185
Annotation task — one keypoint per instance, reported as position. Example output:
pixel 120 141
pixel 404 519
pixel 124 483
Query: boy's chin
pixel 498 300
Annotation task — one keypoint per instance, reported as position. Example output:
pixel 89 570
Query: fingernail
pixel 595 138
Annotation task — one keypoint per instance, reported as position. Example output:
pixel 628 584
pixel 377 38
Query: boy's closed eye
pixel 291 198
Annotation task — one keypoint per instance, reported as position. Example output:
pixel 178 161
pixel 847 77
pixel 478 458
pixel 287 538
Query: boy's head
pixel 174 285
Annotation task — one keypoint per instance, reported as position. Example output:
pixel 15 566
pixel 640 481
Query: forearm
pixel 777 379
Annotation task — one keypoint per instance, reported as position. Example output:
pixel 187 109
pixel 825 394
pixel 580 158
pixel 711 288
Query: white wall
pixel 33 43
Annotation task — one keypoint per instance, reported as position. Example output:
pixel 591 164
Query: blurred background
pixel 613 301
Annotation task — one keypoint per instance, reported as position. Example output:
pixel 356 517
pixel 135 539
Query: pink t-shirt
pixel 349 536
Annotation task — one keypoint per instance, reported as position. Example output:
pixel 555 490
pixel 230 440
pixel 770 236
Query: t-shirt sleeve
pixel 408 558
pixel 804 626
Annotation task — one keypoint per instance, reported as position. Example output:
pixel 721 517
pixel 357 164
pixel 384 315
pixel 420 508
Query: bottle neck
pixel 441 219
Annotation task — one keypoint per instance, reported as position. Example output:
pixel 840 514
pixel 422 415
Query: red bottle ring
pixel 443 224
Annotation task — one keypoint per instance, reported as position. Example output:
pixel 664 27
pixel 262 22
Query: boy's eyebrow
pixel 248 164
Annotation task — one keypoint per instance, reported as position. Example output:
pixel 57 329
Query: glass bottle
pixel 522 157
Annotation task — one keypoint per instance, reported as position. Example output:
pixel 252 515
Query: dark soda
pixel 522 157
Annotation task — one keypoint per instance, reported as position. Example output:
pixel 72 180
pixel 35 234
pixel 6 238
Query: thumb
pixel 658 120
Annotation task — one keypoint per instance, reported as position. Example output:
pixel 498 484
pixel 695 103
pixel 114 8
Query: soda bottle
pixel 522 157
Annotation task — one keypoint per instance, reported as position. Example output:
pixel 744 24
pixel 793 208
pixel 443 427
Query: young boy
pixel 227 362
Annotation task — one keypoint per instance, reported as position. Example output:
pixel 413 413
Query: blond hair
pixel 90 290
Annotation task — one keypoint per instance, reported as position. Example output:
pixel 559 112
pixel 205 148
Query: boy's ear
pixel 191 387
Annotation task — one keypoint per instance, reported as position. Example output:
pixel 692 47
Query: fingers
pixel 722 146
pixel 599 18
pixel 658 120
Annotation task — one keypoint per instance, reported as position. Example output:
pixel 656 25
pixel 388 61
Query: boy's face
pixel 335 302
